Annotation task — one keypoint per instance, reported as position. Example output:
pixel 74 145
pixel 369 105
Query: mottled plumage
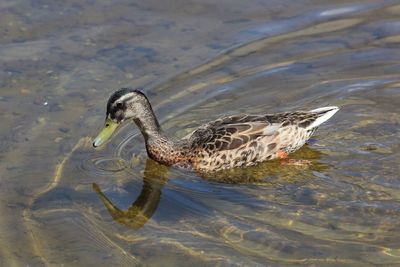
pixel 228 142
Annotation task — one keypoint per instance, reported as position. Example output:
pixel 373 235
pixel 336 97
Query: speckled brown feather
pixel 244 140
pixel 236 141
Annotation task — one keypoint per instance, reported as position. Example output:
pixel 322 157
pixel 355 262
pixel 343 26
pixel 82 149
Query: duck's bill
pixel 105 134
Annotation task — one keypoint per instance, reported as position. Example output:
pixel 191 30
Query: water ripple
pixel 104 166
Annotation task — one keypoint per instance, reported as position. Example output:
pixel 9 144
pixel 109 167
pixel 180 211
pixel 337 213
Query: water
pixel 64 203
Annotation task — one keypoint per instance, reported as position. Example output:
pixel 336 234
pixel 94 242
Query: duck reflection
pixel 143 208
pixel 156 176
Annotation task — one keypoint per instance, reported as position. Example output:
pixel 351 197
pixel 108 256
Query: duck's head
pixel 123 104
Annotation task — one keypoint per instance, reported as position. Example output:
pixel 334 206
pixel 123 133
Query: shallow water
pixel 62 202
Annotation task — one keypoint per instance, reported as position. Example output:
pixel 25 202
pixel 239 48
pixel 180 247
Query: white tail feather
pixel 326 114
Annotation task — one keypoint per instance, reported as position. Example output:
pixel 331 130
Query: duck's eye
pixel 119 105
pixel 107 124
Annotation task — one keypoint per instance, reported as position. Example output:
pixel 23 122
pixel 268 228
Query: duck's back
pixel 245 140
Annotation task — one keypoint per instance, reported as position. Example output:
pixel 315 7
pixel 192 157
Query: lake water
pixel 63 203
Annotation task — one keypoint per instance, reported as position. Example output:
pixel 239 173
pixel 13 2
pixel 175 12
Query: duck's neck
pixel 149 127
pixel 159 147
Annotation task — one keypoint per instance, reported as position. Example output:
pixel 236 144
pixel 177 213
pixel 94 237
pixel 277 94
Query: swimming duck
pixel 228 142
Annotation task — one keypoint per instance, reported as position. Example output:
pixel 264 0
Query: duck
pixel 234 141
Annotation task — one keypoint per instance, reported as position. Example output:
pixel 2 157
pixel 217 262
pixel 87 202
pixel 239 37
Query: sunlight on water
pixel 64 202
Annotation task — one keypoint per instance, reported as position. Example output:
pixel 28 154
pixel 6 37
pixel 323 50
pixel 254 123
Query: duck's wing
pixel 236 131
pixel 233 132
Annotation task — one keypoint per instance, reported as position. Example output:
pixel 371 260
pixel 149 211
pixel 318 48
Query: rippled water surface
pixel 64 203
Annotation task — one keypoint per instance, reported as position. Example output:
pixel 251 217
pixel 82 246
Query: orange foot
pixel 284 157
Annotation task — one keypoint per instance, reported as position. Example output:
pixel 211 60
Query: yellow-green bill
pixel 106 132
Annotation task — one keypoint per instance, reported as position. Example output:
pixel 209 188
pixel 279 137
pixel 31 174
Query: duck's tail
pixel 323 114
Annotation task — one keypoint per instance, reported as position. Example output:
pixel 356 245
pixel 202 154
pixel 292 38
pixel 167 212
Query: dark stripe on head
pixel 119 93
